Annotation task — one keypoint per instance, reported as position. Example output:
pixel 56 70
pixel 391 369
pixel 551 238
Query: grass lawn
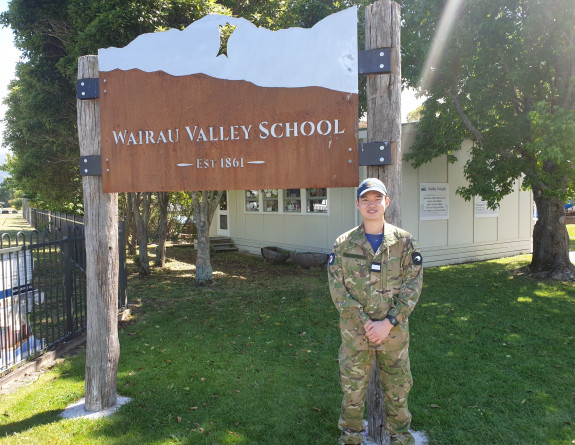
pixel 571 230
pixel 252 360
pixel 12 223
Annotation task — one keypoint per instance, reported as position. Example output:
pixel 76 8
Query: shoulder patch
pixel 416 258
pixel 331 258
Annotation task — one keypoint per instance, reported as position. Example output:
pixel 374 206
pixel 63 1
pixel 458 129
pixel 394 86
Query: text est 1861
pixel 222 163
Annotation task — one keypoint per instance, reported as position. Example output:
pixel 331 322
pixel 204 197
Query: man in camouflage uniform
pixel 375 277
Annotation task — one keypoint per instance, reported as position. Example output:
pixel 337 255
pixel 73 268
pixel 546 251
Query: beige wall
pixel 460 239
pixel 300 232
pixel 463 237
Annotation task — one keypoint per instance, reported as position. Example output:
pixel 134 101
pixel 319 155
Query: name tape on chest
pixel 376 267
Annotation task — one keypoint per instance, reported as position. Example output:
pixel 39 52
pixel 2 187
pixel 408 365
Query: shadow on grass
pixel 251 359
pixel 40 419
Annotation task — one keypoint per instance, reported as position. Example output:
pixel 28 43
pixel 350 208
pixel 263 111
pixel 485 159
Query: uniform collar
pixel 389 236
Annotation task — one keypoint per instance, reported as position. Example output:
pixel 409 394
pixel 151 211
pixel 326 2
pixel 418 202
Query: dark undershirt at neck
pixel 374 240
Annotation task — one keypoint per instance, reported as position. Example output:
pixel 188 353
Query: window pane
pixel 223 222
pixel 270 200
pixel 252 200
pixel 224 201
pixel 292 201
pixel 316 200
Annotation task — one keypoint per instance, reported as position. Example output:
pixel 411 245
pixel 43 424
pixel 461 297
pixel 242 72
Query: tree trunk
pixel 142 226
pixel 131 230
pixel 102 268
pixel 205 204
pixel 551 241
pixel 163 202
pixel 382 30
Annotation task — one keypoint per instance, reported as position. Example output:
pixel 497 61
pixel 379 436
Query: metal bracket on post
pixel 88 88
pixel 374 61
pixel 91 165
pixel 375 153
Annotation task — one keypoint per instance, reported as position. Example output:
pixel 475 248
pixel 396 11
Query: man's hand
pixel 377 331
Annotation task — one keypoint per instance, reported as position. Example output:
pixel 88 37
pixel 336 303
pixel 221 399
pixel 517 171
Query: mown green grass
pixel 252 360
pixel 571 230
pixel 12 224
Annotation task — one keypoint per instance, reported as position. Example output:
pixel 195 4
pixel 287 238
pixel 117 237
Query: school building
pixel 449 229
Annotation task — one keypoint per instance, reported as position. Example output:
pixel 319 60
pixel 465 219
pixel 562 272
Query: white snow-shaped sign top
pixel 322 56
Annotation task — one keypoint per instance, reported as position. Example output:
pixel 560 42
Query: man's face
pixel 372 205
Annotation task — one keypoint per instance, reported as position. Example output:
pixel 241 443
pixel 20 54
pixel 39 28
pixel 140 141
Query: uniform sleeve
pixel 412 280
pixel 342 299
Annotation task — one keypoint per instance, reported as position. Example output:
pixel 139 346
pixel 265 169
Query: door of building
pixel 223 219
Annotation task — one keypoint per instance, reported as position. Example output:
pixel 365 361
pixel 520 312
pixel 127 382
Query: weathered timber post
pixel 101 229
pixel 382 30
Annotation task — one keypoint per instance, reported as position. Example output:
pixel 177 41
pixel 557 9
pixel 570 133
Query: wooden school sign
pixel 278 111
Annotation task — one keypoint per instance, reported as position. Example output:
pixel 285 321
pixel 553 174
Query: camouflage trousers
pixel 355 369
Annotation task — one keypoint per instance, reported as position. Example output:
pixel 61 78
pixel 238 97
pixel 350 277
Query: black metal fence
pixel 44 220
pixel 43 292
pixel 43 285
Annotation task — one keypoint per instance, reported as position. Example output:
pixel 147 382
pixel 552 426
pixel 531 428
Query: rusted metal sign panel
pixel 279 114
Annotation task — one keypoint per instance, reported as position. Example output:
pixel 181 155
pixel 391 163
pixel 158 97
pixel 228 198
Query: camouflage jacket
pixel 361 293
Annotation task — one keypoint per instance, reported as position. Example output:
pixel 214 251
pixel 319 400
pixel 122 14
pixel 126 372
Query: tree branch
pixel 516 99
pixel 465 119
pixel 569 100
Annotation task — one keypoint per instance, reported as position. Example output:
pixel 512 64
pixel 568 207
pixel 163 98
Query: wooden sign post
pixel 101 232
pixel 382 30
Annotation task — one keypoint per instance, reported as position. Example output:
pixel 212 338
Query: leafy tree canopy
pixel 501 73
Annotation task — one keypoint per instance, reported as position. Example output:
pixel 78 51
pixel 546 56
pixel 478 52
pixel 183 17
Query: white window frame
pixel 304 201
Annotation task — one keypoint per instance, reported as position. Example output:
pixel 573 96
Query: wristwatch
pixel 392 320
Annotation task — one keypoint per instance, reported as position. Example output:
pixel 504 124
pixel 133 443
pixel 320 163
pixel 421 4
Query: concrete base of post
pixel 419 436
pixel 76 410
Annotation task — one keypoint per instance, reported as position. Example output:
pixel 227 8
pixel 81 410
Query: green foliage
pixel 16 201
pixel 553 145
pixel 6 190
pixel 253 360
pixel 500 74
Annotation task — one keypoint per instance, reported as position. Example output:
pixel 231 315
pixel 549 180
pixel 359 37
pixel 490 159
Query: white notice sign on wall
pixel 483 211
pixel 433 201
